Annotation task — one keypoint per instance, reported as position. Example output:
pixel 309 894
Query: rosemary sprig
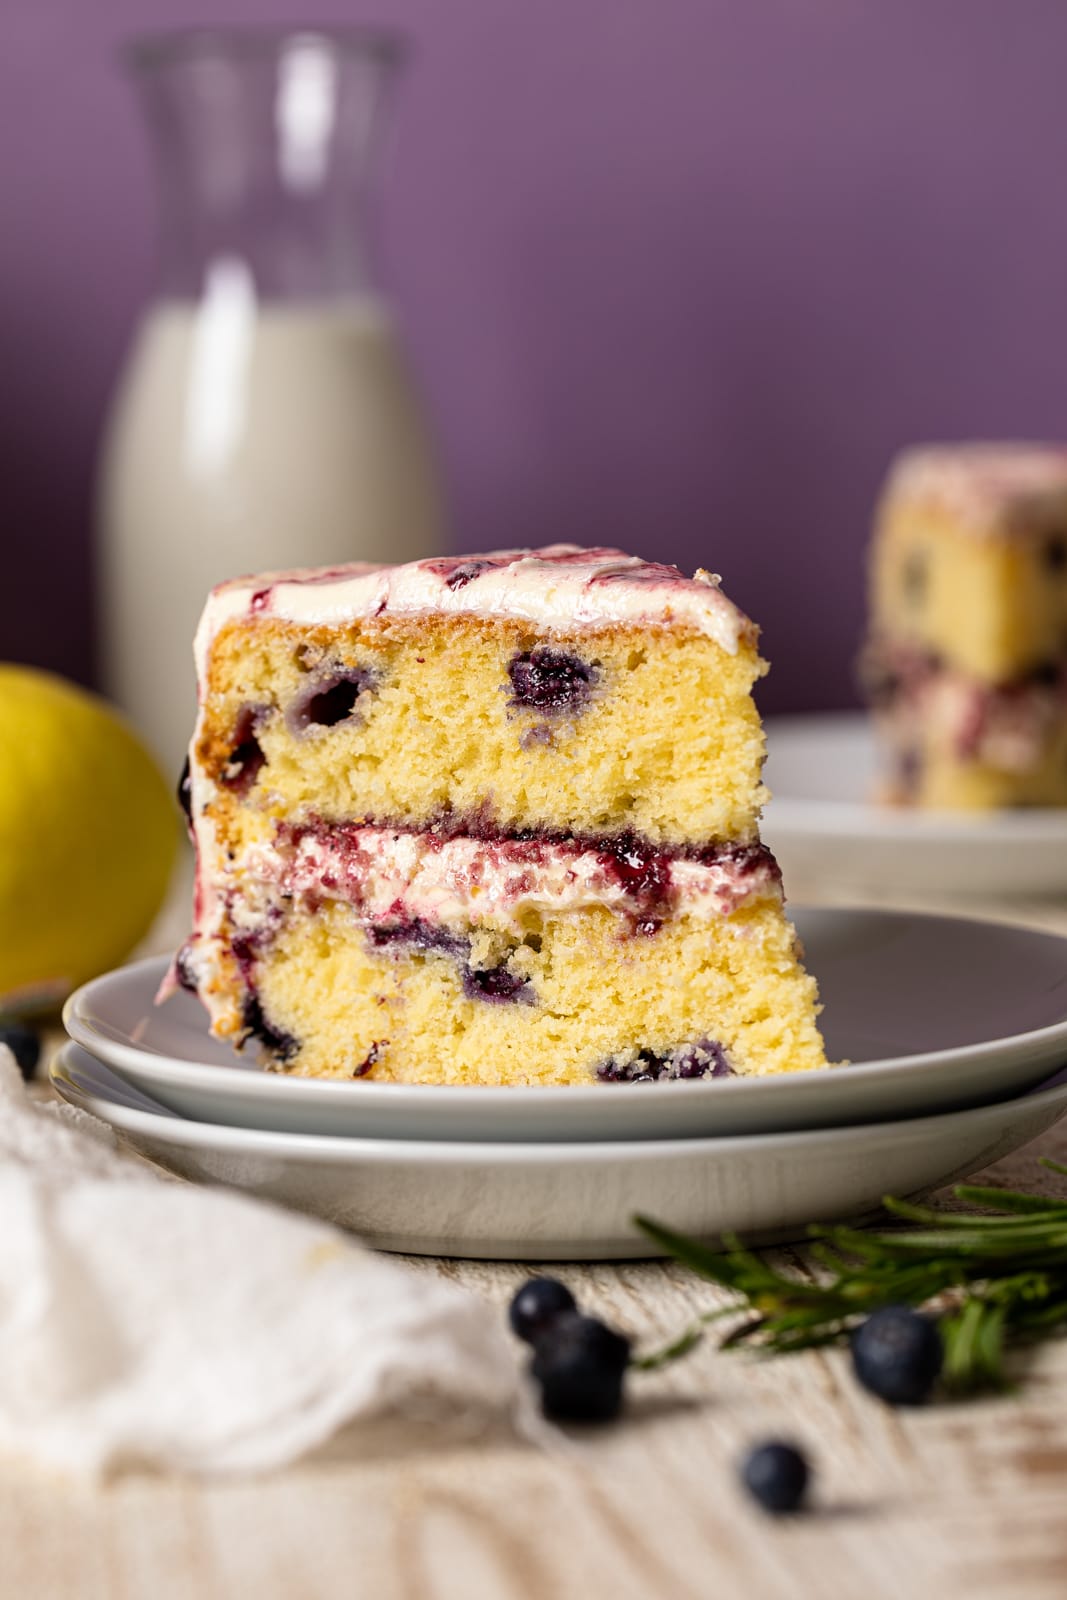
pixel 993 1277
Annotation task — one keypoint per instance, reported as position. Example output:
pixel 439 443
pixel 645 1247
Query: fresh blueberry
pixel 776 1476
pixel 420 936
pixel 185 792
pixel 258 1026
pixel 536 1305
pixel 24 1046
pixel 705 1058
pixel 550 680
pixel 246 758
pixel 183 968
pixel 497 984
pixel 579 1364
pixel 330 700
pixel 897 1355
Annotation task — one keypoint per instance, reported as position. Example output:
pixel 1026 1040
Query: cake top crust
pixel 562 585
pixel 987 488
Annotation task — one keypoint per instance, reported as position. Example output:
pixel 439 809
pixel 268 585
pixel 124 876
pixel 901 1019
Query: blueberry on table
pixel 536 1305
pixel 24 1046
pixel 579 1364
pixel 776 1476
pixel 897 1355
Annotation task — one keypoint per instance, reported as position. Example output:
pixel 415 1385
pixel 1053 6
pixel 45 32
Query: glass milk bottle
pixel 265 418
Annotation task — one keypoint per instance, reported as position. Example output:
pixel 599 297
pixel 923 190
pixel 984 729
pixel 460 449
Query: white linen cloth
pixel 150 1321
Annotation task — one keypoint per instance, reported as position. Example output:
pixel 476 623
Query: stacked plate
pixel 953 1028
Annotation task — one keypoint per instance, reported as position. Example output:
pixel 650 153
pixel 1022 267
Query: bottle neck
pixel 263 162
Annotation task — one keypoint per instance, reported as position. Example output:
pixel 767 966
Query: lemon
pixel 88 833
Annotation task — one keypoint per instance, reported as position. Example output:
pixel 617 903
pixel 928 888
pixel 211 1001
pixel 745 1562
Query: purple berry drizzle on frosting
pixel 467 572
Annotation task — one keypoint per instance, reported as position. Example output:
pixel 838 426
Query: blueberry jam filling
pixel 246 759
pixel 329 700
pixel 551 680
pixel 257 1026
pixel 641 868
pixel 645 873
pixel 703 1059
pixel 495 984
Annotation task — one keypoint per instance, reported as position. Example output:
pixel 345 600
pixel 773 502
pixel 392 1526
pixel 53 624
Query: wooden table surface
pixel 955 1500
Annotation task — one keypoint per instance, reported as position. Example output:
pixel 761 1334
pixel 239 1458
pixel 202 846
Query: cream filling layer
pixel 391 875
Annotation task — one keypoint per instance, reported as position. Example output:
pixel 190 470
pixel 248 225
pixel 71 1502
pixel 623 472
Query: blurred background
pixel 679 275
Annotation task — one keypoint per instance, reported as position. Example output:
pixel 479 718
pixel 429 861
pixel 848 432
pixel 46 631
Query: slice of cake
pixel 489 820
pixel 966 663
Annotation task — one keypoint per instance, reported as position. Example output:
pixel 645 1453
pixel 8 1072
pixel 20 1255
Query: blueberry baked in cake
pixel 966 662
pixel 489 820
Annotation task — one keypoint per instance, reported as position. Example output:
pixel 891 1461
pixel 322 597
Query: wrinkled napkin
pixel 146 1321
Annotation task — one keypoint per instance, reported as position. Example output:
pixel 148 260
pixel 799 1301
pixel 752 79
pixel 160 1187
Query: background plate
pixel 567 1202
pixel 824 829
pixel 937 1013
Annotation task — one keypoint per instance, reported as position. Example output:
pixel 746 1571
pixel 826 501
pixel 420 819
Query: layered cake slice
pixel 966 662
pixel 489 820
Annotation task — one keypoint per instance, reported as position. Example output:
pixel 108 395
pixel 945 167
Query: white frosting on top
pixel 986 487
pixel 562 585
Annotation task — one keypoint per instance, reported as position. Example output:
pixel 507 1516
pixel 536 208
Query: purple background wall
pixel 677 274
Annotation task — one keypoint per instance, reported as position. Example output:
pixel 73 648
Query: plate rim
pixel 372 1151
pixel 253 1083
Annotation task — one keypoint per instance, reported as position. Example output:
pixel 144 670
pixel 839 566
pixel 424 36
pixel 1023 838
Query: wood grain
pixel 953 1500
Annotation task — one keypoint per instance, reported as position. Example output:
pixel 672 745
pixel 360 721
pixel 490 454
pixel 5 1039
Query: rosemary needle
pixel 992 1276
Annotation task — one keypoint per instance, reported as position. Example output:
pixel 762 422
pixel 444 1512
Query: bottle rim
pixel 149 52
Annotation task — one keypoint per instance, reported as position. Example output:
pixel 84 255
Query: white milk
pixel 244 439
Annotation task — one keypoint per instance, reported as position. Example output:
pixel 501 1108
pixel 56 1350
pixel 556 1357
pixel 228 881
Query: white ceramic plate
pixel 558 1202
pixel 824 829
pixel 940 1013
